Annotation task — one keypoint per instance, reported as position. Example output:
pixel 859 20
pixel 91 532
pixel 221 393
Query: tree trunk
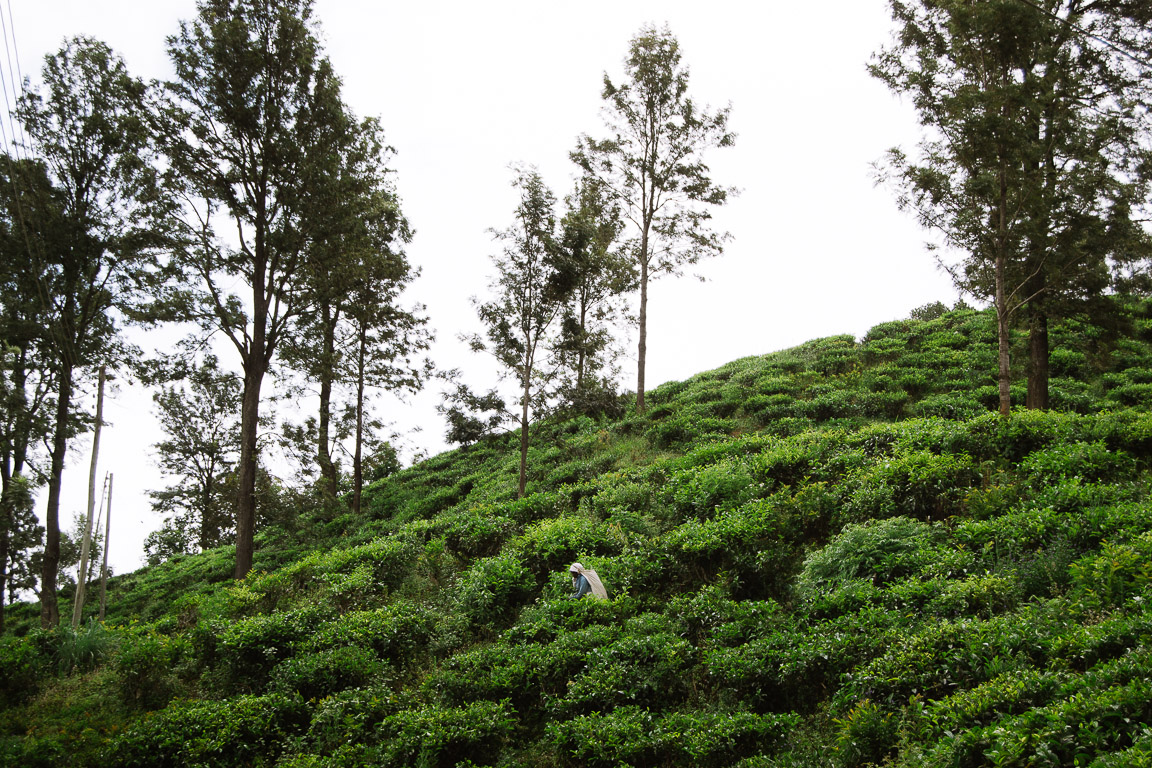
pixel 524 430
pixel 1002 314
pixel 86 544
pixel 11 466
pixel 255 359
pixel 642 352
pixel 357 455
pixel 246 478
pixel 49 610
pixel 1037 358
pixel 328 477
pixel 206 507
pixel 7 520
pixel 582 349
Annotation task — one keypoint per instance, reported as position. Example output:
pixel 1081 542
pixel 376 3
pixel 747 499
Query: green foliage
pixel 322 673
pixel 881 551
pixel 916 592
pixel 923 485
pixel 145 666
pixel 246 650
pixel 82 649
pixel 431 736
pixel 490 593
pixel 21 664
pixel 867 735
pixel 242 731
pixel 1117 574
pixel 632 736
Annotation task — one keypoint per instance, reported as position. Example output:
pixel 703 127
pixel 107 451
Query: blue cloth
pixel 582 586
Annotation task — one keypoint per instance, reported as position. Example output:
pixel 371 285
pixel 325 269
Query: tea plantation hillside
pixel 833 555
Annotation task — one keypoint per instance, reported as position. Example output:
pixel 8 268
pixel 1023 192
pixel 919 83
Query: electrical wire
pixel 1075 27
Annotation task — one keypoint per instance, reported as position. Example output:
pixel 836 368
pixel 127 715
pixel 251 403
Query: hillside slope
pixel 834 555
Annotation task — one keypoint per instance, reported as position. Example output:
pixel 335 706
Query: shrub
pixel 687 426
pixel 705 491
pixel 867 735
pixel 1116 574
pixel 632 736
pixel 647 665
pixel 349 717
pixel 709 617
pixel 917 484
pixel 947 405
pixel 553 544
pixel 491 592
pixel 83 649
pixel 752 545
pixel 21 664
pixel 433 735
pixel 536 506
pixel 1067 363
pixel 1088 461
pixel 322 673
pixel 145 666
pixel 881 550
pixel 396 632
pixel 244 731
pixel 247 650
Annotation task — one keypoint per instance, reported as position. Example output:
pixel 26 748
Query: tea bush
pixel 322 673
pixel 490 593
pixel 247 650
pixel 647 668
pixel 867 735
pixel 881 550
pixel 433 735
pixel 21 664
pixel 554 544
pixel 243 731
pixel 396 632
pixel 1092 462
pixel 920 484
pixel 632 736
pixel 146 664
pixel 706 490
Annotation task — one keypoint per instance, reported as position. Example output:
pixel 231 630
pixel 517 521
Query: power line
pixel 1077 28
pixel 20 168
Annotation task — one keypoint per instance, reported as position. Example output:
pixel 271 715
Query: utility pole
pixel 107 538
pixel 81 581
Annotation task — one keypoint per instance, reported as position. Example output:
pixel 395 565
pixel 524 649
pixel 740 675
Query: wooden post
pixel 82 576
pixel 107 538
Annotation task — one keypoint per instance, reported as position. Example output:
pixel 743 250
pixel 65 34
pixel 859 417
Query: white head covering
pixel 593 580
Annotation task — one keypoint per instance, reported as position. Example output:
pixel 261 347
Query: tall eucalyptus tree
pixel 243 123
pixel 652 165
pixel 1032 165
pixel 93 236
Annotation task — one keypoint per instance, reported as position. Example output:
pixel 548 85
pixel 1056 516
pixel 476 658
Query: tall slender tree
pixel 594 272
pixel 198 452
pixel 250 95
pixel 1031 167
pixel 96 237
pixel 652 164
pixel 26 381
pixel 518 318
pixel 356 269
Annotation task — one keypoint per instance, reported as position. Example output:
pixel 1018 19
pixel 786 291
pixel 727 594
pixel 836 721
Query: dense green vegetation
pixel 833 555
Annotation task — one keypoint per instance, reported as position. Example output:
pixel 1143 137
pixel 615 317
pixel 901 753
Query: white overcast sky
pixel 463 89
